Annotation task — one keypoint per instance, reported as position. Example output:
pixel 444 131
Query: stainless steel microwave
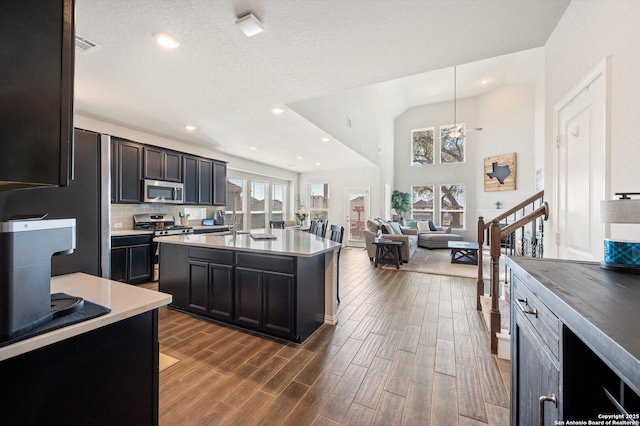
pixel 159 191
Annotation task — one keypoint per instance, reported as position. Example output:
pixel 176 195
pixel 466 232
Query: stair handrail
pixel 482 225
pixel 496 234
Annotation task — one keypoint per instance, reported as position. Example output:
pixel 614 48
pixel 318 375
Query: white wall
pixel 371 134
pixel 507 118
pixel 339 180
pixel 588 32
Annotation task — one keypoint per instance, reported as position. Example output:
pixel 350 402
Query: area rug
pixel 438 261
pixel 166 361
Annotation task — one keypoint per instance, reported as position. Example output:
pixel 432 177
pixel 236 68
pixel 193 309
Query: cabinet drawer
pixel 217 256
pixel 266 263
pixel 130 240
pixel 542 320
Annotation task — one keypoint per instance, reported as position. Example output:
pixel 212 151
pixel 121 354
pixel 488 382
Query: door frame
pixel 367 210
pixel 601 70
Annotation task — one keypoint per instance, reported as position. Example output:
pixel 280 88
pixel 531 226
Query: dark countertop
pixel 601 307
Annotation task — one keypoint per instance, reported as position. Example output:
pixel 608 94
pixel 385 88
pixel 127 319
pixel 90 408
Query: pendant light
pixel 456 130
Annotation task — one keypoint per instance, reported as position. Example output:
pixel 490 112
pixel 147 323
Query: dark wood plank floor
pixel 409 349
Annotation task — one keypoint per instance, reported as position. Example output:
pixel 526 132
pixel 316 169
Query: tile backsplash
pixel 122 214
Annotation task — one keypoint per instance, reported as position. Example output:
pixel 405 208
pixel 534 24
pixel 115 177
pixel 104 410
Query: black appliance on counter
pixel 85 198
pixel 26 249
pixel 162 225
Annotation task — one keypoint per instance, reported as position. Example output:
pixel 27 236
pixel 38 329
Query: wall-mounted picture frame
pixel 500 173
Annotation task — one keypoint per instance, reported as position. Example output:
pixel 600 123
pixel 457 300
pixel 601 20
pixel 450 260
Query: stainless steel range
pixel 160 224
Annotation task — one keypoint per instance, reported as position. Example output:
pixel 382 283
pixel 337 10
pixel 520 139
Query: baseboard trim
pixel 331 319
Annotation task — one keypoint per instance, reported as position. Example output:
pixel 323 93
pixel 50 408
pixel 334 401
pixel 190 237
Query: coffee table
pixel 464 252
pixel 387 252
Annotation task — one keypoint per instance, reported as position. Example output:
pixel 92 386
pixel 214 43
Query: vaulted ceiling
pixel 226 83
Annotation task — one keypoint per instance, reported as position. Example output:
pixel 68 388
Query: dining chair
pixel 335 234
pixel 276 224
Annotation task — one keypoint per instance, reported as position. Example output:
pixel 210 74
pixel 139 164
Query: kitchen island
pixel 99 371
pixel 284 286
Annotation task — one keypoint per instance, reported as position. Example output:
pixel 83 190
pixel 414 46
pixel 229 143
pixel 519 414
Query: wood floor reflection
pixel 409 349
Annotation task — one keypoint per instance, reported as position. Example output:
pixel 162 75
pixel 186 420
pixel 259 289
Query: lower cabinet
pixel 260 292
pixel 131 259
pixel 538 387
pixel 566 367
pixel 265 299
pixel 210 289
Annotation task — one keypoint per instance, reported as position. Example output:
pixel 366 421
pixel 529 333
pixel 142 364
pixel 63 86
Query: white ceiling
pixel 225 83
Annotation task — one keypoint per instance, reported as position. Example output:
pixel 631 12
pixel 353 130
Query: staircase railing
pixel 504 235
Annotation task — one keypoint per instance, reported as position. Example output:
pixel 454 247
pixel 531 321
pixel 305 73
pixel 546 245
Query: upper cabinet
pixel 128 162
pixel 162 164
pixel 219 183
pixel 36 86
pixel 204 179
pixel 197 179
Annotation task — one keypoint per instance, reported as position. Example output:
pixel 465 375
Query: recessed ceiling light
pixel 317 164
pixel 166 40
pixel 325 139
pixel 485 81
pixel 300 157
pixel 252 148
pixel 250 25
pixel 277 110
pixel 189 127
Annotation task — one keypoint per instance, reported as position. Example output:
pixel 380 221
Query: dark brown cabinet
pixel 129 171
pixel 162 164
pixel 197 179
pixel 205 180
pixel 37 56
pixel 210 286
pixel 274 294
pixel 219 183
pixel 131 259
pixel 265 300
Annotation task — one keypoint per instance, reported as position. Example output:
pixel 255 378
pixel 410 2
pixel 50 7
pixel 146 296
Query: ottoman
pixel 434 240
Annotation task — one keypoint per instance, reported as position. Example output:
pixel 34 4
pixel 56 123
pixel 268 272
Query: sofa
pixel 433 237
pixel 392 231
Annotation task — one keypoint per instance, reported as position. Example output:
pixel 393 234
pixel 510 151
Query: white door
pixel 581 168
pixel 357 213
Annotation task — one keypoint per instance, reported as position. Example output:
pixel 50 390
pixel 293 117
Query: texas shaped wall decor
pixel 500 173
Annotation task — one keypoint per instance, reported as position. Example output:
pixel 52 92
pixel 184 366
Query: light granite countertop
pixel 124 300
pixel 287 242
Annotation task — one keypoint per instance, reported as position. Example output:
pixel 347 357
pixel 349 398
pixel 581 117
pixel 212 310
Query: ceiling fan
pixel 458 130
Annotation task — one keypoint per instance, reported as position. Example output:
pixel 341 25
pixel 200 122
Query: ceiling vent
pixel 86 46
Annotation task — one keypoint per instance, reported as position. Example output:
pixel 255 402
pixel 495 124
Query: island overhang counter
pixel 284 286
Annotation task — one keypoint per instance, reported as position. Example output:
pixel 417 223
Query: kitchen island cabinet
pixel 283 287
pixel 575 348
pixel 102 371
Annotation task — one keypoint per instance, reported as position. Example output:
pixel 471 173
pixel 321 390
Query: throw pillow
pixel 372 226
pixel 432 227
pixel 423 227
pixel 396 228
pixel 411 224
pixel 386 228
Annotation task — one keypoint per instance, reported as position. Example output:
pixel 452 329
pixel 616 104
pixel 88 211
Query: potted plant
pixel 401 202
pixel 300 214
pixel 184 218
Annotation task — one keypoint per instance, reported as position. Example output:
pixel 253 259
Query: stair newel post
pixel 495 238
pixel 480 284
